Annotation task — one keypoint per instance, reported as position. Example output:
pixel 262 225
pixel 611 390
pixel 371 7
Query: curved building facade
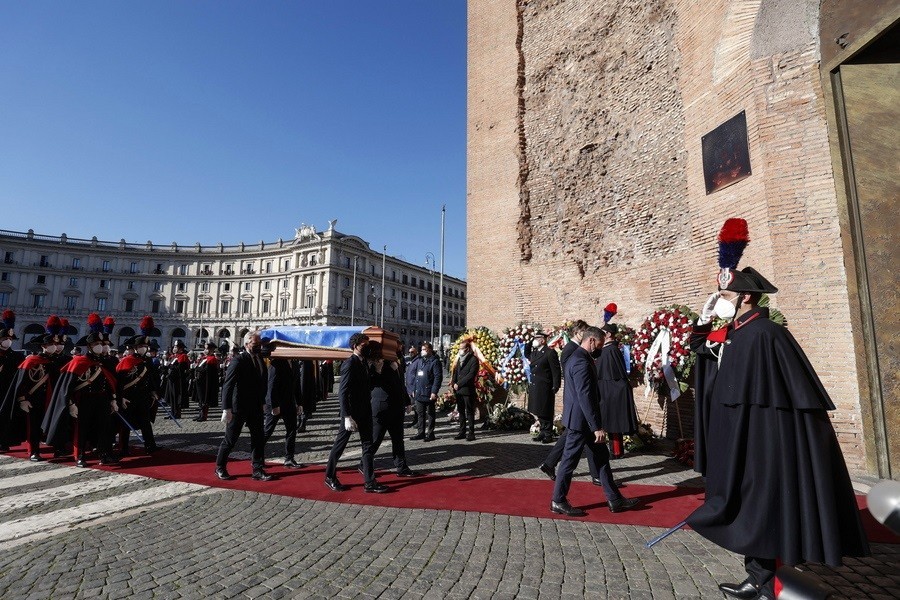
pixel 217 293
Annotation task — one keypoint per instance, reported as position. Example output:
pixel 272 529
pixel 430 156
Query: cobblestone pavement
pixel 75 533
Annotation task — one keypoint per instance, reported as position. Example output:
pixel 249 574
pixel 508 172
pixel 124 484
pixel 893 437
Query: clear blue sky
pixel 208 121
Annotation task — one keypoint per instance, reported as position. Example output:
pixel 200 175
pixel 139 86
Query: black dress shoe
pixel 548 440
pixel 35 458
pixel 418 436
pixel 108 460
pixel 407 472
pixel 80 463
pixel 745 589
pixel 470 437
pixel 540 439
pixel 430 437
pixel 564 508
pixel 548 471
pixel 334 485
pixel 375 488
pixel 292 464
pixel 223 474
pixel 260 475
pixel 623 504
pixel 459 436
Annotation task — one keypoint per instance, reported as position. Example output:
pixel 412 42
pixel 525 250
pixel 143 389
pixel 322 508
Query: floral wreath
pixel 513 370
pixel 663 341
pixel 559 336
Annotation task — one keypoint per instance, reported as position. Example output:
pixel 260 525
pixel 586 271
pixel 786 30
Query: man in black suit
pixel 282 397
pixel 462 381
pixel 581 417
pixel 355 395
pixel 545 382
pixel 243 401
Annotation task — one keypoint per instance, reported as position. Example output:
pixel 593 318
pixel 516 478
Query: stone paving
pixel 75 533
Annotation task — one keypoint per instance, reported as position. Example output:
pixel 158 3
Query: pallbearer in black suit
pixel 206 381
pixel 463 373
pixel 243 402
pixel 282 397
pixel 355 395
pixel 389 402
pixel 581 417
pixel 617 410
pixel 546 377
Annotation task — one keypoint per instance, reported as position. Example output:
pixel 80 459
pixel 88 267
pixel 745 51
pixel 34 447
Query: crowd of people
pixel 777 486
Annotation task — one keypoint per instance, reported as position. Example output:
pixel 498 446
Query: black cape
pixel 13 420
pixel 9 365
pixel 617 411
pixel 705 370
pixel 777 485
pixel 546 376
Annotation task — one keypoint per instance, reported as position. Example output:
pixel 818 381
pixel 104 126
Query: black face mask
pixel 365 351
pixel 596 353
pixel 255 349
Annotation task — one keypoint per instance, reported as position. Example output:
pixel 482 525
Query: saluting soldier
pixel 9 361
pixel 83 401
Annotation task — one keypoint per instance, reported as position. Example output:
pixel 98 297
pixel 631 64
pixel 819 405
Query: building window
pixel 182 269
pixel 310 300
pixel 284 305
pixel 266 305
pixel 101 303
pixel 269 267
pixel 247 286
pixel 347 262
pixel 76 263
pixel 245 306
pixel 404 314
pixel 371 308
pixel 8 258
pixel 104 284
pixel 130 285
pixel 44 261
pixel 4 276
pixel 129 305
pixel 405 280
pixel 71 302
pixel 413 282
pixel 314 259
pixel 393 312
pixel 226 306
pixel 346 282
pixel 204 287
pixel 229 269
pixel 42 280
pixel 157 286
pixel 267 285
pixel 159 269
pixel 346 303
pixel 154 306
pixel 207 269
pixel 203 306
pixel 4 298
pixel 105 266
pixel 284 284
pixel 179 306
pixel 287 264
pixel 404 295
pixel 226 287
pixel 181 286
pixel 134 267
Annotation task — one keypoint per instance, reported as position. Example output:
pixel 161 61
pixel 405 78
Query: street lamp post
pixel 353 294
pixel 441 295
pixel 430 264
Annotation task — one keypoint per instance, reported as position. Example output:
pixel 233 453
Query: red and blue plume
pixel 147 325
pixel 733 238
pixel 8 318
pixel 609 312
pixel 95 324
pixel 108 324
pixel 64 325
pixel 54 325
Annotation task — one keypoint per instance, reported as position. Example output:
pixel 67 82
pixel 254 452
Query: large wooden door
pixel 870 87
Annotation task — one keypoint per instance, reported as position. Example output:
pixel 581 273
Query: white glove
pixel 350 424
pixel 227 416
pixel 113 406
pixel 125 402
pixel 25 405
pixel 73 410
pixel 707 312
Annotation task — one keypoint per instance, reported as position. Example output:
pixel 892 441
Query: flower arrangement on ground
pixel 508 417
pixel 664 340
pixel 641 439
pixel 512 370
pixel 535 430
pixel 684 452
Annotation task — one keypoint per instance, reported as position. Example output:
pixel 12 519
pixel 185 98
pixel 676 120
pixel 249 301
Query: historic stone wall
pixel 586 184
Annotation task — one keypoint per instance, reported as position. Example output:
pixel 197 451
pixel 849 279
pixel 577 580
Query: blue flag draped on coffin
pixel 322 342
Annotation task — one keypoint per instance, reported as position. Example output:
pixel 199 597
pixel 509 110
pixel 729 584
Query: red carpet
pixel 663 506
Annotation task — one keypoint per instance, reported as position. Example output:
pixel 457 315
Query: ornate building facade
pixel 217 293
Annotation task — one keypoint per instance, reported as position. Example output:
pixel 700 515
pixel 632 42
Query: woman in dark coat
pixel 617 411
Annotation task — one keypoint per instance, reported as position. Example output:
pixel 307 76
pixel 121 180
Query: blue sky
pixel 235 121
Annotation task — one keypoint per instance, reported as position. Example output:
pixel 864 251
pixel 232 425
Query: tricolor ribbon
pixel 660 347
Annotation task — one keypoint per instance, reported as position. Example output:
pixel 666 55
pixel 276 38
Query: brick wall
pixel 585 181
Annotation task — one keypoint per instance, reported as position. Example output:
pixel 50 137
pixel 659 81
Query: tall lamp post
pixel 430 264
pixel 353 294
pixel 441 295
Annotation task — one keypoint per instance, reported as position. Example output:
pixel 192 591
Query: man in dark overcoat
pixel 463 374
pixel 282 398
pixel 617 409
pixel 546 378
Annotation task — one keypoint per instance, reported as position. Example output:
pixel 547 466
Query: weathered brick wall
pixel 585 180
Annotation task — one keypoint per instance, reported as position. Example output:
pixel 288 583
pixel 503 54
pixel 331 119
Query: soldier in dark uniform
pixel 777 486
pixel 463 373
pixel 206 381
pixel 26 402
pixel 9 362
pixel 617 409
pixel 178 368
pixel 355 395
pixel 282 396
pixel 83 400
pixel 546 378
pixel 138 387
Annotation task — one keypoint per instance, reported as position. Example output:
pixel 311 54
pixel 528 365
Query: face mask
pixel 97 348
pixel 49 349
pixel 105 349
pixel 537 343
pixel 142 351
pixel 59 350
pixel 5 344
pixel 255 349
pixel 724 309
pixel 365 351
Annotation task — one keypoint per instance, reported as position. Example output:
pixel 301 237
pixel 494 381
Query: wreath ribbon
pixel 660 347
pixel 518 347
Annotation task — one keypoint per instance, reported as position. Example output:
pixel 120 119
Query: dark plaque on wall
pixel 726 154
